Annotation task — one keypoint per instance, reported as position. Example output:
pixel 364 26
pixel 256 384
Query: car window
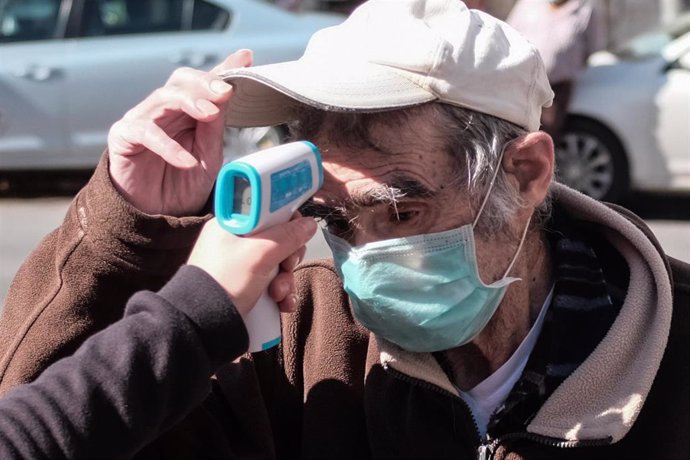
pixel 116 17
pixel 206 16
pixel 23 20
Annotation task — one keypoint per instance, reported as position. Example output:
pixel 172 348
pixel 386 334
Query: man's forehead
pixel 391 133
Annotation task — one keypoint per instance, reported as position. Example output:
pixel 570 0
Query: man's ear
pixel 529 159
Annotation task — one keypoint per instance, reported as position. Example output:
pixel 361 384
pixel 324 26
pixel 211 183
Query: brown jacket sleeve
pixel 79 278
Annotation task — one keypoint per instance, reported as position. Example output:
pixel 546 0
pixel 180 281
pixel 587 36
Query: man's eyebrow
pixel 412 188
pixel 389 194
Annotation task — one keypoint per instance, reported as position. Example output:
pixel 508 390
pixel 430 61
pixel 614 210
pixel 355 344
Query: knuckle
pixel 163 94
pixel 116 128
pixel 131 113
pixel 179 74
pixel 122 130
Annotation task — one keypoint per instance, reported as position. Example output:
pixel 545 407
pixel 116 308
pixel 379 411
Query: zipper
pixel 487 451
pixel 430 386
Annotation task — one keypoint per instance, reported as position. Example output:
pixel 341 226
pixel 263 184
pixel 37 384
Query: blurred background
pixel 70 68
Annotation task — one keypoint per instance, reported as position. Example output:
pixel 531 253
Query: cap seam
pixel 440 49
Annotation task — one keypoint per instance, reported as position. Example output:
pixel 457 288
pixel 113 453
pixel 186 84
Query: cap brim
pixel 266 95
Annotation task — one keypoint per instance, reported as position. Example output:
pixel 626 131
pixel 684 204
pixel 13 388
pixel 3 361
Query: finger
pixel 158 142
pixel 293 260
pixel 130 138
pixel 210 137
pixel 122 139
pixel 281 286
pixel 199 85
pixel 286 303
pixel 203 103
pixel 194 98
pixel 289 304
pixel 301 252
pixel 286 238
pixel 240 58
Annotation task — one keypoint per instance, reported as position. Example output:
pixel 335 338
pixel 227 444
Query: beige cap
pixel 399 53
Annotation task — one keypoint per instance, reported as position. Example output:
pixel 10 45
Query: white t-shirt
pixel 490 393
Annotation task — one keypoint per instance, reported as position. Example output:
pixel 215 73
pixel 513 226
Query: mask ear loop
pixel 486 199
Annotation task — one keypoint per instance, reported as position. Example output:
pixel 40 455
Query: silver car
pixel 70 68
pixel 629 121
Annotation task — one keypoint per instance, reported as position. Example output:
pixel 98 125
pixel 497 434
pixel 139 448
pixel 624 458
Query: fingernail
pixel 293 299
pixel 220 87
pixel 187 159
pixel 206 107
pixel 245 51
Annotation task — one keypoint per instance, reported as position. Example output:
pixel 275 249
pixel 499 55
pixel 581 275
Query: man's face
pixel 403 184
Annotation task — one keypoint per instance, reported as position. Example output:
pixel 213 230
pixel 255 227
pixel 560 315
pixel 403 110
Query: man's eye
pixel 400 216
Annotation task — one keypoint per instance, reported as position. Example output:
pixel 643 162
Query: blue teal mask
pixel 423 292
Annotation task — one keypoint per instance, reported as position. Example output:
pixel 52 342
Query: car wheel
pixel 591 159
pixel 243 141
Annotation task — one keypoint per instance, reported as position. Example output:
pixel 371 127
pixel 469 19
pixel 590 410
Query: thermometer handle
pixel 259 191
pixel 263 324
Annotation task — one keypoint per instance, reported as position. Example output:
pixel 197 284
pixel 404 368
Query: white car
pixel 629 121
pixel 70 68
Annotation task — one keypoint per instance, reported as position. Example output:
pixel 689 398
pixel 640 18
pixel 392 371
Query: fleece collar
pixel 621 369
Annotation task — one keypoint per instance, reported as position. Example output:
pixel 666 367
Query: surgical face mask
pixel 423 292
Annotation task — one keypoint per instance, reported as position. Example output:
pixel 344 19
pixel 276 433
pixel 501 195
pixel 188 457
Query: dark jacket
pixel 332 390
pixel 131 381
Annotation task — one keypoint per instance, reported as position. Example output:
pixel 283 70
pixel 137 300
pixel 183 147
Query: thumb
pixel 287 238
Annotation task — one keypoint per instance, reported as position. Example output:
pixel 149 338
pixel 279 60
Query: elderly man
pixel 472 307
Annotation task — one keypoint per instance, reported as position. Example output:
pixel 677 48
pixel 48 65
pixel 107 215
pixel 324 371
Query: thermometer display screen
pixel 242 201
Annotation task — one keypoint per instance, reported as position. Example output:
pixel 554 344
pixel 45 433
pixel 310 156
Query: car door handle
pixel 36 72
pixel 194 59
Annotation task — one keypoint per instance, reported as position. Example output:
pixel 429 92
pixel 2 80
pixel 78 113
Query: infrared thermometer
pixel 256 192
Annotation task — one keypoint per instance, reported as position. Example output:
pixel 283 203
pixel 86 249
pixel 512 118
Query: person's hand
pixel 246 265
pixel 165 153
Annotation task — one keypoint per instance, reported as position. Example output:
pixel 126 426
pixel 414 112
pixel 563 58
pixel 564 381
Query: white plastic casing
pixel 281 179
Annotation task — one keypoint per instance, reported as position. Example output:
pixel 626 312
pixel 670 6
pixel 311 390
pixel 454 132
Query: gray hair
pixel 475 140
